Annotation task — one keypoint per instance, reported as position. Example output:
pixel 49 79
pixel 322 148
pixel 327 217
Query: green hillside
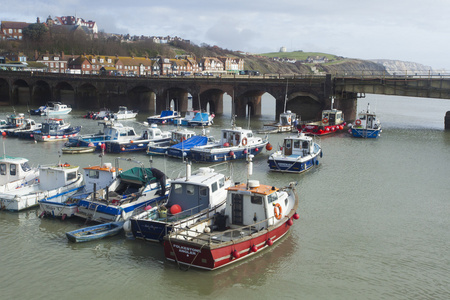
pixel 299 55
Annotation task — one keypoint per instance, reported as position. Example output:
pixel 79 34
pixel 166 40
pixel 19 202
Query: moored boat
pixel 256 216
pixel 367 125
pixel 287 123
pixel 195 118
pixel 195 196
pixel 94 232
pixel 124 114
pixel 166 117
pixel 15 173
pixel 56 183
pixel 177 136
pixel 130 190
pixel 77 150
pixel 57 108
pixel 298 153
pixel 332 121
pixel 55 130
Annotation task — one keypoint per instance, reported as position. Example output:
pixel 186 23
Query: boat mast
pixel 285 95
pixel 233 123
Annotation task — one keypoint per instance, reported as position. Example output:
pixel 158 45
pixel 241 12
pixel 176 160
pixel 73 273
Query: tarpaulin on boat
pixel 137 174
pixel 201 117
pixel 196 140
pixel 167 113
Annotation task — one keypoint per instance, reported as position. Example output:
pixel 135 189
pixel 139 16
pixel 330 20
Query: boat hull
pixel 226 153
pixel 365 133
pixel 320 129
pixel 292 166
pixel 216 256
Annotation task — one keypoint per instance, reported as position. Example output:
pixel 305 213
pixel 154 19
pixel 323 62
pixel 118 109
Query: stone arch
pixel 212 97
pixel 87 96
pixel 306 105
pixel 20 93
pixel 65 93
pixel 4 91
pixel 142 98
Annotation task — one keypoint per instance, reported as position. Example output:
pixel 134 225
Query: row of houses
pixel 130 66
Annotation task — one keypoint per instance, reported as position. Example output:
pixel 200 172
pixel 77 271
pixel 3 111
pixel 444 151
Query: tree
pixel 35 32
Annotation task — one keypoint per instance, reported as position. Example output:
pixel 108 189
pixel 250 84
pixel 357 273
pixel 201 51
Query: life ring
pixel 66 165
pixel 277 212
pixel 244 142
pixel 289 120
pixel 325 120
pixel 358 122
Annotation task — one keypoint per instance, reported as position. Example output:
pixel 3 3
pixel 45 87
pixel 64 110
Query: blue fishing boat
pixel 94 232
pixel 195 118
pixel 133 189
pixel 166 117
pixel 298 154
pixel 177 136
pixel 193 197
pixel 55 130
pixel 367 125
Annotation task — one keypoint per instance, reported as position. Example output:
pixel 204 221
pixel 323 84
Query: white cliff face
pixel 398 67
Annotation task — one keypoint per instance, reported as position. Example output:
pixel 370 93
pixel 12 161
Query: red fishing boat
pixel 332 121
pixel 256 216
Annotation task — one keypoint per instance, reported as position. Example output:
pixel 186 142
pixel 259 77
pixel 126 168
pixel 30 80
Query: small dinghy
pixel 94 232
pixel 77 150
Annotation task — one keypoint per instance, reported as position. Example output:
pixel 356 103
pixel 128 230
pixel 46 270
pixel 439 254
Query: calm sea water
pixel 374 224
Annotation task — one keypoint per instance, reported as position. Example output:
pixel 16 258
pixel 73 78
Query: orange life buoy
pixel 289 119
pixel 325 120
pixel 358 122
pixel 66 165
pixel 277 211
pixel 244 142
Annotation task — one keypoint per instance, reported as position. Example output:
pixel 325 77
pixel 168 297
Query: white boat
pixel 256 216
pixel 298 154
pixel 195 196
pixel 15 173
pixel 95 177
pixel 130 190
pixel 29 126
pixel 287 123
pixel 367 125
pixel 56 183
pixel 124 114
pixel 57 108
pixel 166 117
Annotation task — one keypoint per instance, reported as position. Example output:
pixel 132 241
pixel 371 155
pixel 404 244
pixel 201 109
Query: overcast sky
pixel 408 30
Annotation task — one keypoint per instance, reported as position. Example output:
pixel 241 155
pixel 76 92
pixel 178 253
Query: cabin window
pixel 297 144
pixel 214 187
pixel 272 197
pixel 256 200
pixel 12 170
pixel 3 169
pixel 177 188
pixel 190 189
pixel 250 135
pixel 305 145
pixel 288 143
pixel 130 132
pixel 71 175
pixel 25 167
pixel 94 174
pixel 221 182
pixel 203 191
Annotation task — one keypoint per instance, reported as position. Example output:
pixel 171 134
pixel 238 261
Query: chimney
pixel 37 20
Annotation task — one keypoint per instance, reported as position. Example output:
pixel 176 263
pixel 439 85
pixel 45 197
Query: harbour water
pixel 374 223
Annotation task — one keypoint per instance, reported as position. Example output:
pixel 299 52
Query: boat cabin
pixel 181 135
pixel 13 168
pixel 154 133
pixel 52 126
pixel 253 202
pixel 332 116
pixel 52 177
pixel 100 176
pixel 198 191
pixel 120 132
pixel 287 118
pixel 14 121
pixel 367 120
pixel 236 137
pixel 300 145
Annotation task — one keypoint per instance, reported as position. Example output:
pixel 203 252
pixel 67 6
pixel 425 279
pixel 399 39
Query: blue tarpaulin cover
pixel 196 140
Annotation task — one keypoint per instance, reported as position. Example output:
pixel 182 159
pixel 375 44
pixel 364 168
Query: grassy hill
pixel 298 55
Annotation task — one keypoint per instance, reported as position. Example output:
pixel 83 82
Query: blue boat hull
pixel 94 232
pixel 149 230
pixel 294 167
pixel 112 147
pixel 366 133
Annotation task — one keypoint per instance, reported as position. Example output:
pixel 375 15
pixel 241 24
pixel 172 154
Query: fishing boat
pixel 56 183
pixel 95 177
pixel 287 123
pixel 332 121
pixel 94 232
pixel 133 189
pixel 57 108
pixel 182 149
pixel 367 125
pixel 111 131
pixel 176 136
pixel 166 117
pixel 124 113
pixel 235 143
pixel 28 127
pixel 15 173
pixel 13 121
pixel 256 216
pixel 298 153
pixel 40 111
pixel 129 141
pixel 55 130
pixel 195 118
pixel 191 198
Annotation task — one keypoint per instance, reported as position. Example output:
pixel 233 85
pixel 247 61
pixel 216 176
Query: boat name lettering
pixel 187 250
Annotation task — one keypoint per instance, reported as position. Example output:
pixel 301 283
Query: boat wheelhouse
pixel 124 113
pixel 15 173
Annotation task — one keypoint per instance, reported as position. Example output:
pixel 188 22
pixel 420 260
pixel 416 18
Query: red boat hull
pixel 216 256
pixel 316 129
